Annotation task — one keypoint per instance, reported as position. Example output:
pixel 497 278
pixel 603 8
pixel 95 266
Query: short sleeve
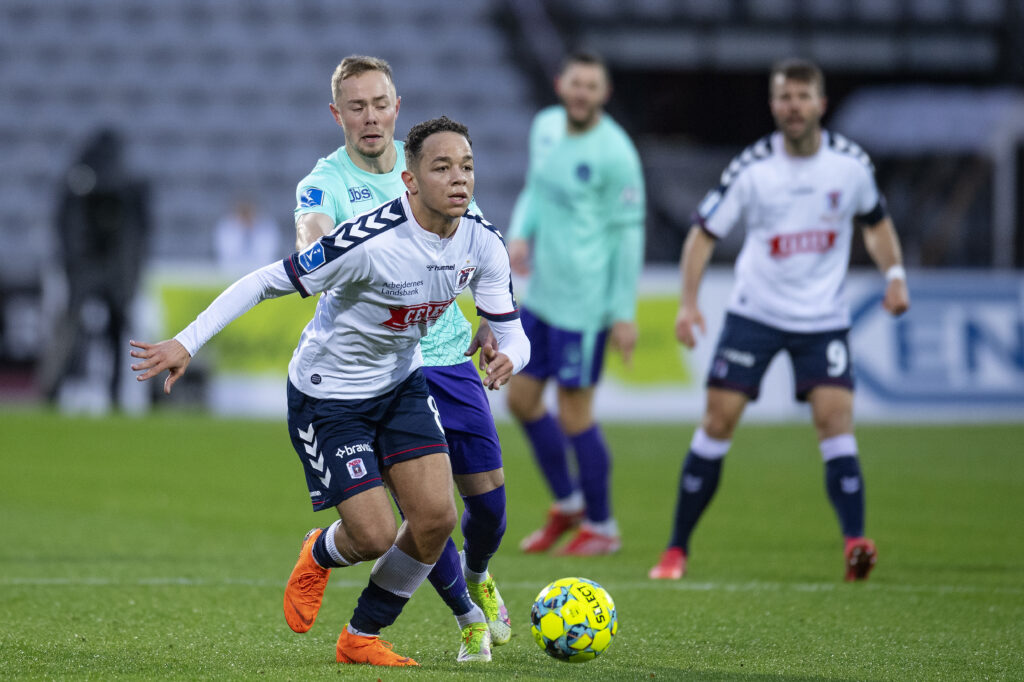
pixel 323 265
pixel 492 287
pixel 722 207
pixel 870 203
pixel 313 194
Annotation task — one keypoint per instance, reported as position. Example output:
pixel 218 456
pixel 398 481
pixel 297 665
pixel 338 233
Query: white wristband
pixel 895 272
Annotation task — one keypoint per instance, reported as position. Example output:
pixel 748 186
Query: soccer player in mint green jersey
pixel 578 231
pixel 358 177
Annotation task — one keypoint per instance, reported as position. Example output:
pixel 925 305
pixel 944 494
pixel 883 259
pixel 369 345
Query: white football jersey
pixel 798 213
pixel 385 280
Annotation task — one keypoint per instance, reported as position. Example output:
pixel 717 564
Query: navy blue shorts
pixel 466 417
pixel 344 444
pixel 746 348
pixel 574 359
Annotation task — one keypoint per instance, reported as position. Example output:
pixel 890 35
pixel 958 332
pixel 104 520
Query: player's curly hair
pixel 421 131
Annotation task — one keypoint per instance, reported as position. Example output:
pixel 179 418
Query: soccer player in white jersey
pixel 359 414
pixel 798 194
pixel 366 171
pixel 578 230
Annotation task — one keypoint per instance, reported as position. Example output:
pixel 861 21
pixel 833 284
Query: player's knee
pixel 718 425
pixel 446 520
pixel 370 545
pixel 574 424
pixel 833 423
pixel 434 527
pixel 575 414
pixel 524 408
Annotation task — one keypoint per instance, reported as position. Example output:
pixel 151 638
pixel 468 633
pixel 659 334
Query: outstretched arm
pixel 156 357
pixel 175 354
pixel 694 260
pixel 883 245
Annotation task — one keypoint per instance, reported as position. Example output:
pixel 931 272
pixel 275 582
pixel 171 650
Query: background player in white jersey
pixel 798 193
pixel 582 216
pixel 360 175
pixel 359 413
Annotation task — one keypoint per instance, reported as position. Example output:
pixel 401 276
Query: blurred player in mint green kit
pixel 356 178
pixel 578 231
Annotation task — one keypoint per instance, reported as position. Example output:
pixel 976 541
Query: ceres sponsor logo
pixel 424 313
pixel 812 241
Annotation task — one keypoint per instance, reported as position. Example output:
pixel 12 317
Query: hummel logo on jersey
pixel 313 257
pixel 311 196
pixel 811 241
pixel 440 267
pixel 367 225
pixel 316 459
pixel 423 313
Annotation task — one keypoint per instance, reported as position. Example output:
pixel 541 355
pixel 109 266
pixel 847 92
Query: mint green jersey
pixel 583 209
pixel 341 190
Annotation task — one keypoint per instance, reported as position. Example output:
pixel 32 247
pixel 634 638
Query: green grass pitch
pixel 157 548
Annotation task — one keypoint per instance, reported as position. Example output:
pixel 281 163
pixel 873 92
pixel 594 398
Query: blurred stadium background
pixel 217 99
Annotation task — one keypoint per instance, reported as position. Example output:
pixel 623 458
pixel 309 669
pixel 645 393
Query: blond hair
pixel 356 65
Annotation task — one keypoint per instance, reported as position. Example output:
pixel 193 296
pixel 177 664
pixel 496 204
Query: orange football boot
pixel 671 566
pixel 370 650
pixel 558 524
pixel 306 585
pixel 860 555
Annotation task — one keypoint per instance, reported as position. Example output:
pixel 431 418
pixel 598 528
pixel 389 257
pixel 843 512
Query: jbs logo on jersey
pixel 407 316
pixel 360 193
pixel 812 241
pixel 311 196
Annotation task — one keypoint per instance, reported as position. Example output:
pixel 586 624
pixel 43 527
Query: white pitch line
pixel 660 585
